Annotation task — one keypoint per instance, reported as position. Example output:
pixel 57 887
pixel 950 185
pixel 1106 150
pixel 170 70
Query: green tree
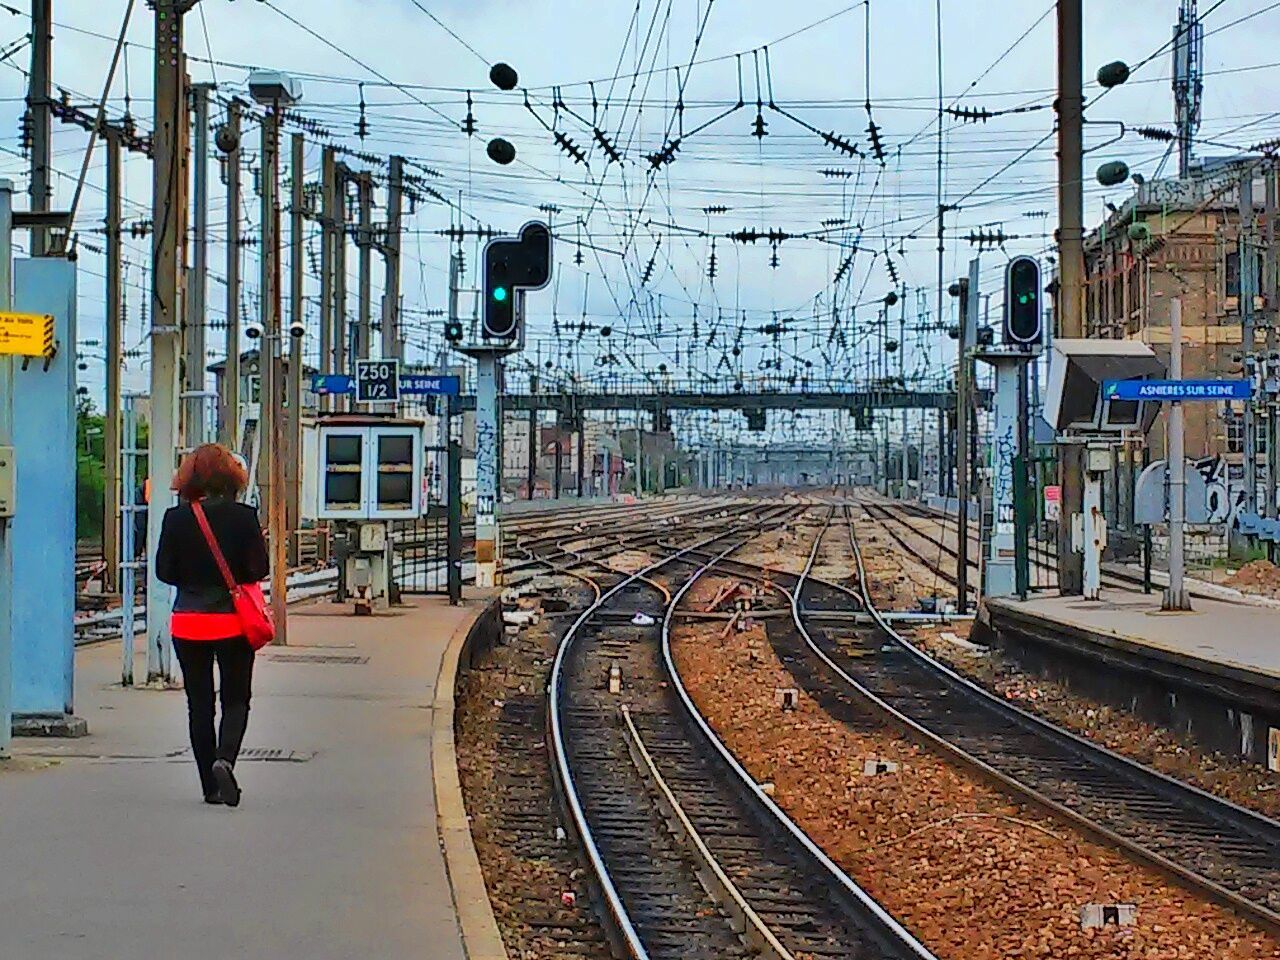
pixel 90 470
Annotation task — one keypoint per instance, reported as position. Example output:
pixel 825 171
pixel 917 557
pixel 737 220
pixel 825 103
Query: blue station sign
pixel 1157 390
pixel 428 386
pixel 333 384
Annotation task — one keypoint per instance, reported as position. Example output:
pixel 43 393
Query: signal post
pixel 512 266
pixel 1020 341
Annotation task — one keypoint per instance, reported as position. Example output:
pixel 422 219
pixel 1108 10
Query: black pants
pixel 235 669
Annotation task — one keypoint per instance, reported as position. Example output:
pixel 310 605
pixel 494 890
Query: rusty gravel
pixel 506 783
pixel 1234 778
pixel 972 874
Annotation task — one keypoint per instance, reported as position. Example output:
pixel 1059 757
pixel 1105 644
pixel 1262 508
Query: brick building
pixel 1179 238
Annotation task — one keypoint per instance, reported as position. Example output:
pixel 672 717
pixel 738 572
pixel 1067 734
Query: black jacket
pixel 185 561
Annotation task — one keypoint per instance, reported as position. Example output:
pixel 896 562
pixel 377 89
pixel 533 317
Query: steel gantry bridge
pixel 662 400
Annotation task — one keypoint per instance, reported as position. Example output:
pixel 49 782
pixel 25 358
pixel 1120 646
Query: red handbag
pixel 251 606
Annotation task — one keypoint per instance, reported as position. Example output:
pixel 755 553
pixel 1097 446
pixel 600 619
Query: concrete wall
pixel 1201 544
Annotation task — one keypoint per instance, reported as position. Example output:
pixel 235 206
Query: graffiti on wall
pixel 1003 452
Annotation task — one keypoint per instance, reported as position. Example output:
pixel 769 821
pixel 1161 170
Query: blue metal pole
pixel 6 441
pixel 43 531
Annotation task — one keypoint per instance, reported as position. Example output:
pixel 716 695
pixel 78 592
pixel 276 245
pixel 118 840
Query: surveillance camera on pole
pixel 273 88
pixel 253 330
pixel 297 329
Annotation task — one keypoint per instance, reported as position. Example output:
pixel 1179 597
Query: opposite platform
pixel 1217 637
pixel 108 849
pixel 1213 672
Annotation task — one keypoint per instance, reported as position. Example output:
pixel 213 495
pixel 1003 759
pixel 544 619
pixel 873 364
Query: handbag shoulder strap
pixel 212 541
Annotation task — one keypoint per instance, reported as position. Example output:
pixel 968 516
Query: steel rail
pixel 626 934
pixel 889 929
pixel 1224 811
pixel 713 877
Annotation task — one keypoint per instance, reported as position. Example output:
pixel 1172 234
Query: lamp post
pixel 274 90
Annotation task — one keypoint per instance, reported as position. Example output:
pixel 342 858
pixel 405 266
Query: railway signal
pixel 1022 316
pixel 513 265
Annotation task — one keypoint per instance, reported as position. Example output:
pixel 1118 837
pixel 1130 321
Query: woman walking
pixel 205 625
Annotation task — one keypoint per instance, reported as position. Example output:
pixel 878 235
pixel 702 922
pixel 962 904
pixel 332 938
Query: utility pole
pixel 1175 596
pixel 1070 310
pixel 168 217
pixel 39 98
pixel 193 339
pixel 1248 290
pixel 533 453
pixel 364 245
pixel 1271 292
pixel 969 299
pixel 297 321
pixel 557 459
pixel 392 345
pixel 921 483
pixel 943 464
pixel 582 450
pixel 229 139
pixel 115 329
pixel 1188 85
pixel 341 328
pixel 902 381
pixel 328 242
pixel 270 363
pixel 640 459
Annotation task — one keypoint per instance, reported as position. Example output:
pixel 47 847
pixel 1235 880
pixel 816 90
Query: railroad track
pixel 522 795
pixel 783 895
pixel 515 809
pixel 894 517
pixel 1221 851
pixel 527 809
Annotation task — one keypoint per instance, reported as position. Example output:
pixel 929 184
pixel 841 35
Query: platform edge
pixel 481 939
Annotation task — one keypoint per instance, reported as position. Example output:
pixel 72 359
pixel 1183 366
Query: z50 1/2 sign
pixel 377 381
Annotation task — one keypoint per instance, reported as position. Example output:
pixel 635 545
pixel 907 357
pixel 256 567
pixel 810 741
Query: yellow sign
pixel 26 334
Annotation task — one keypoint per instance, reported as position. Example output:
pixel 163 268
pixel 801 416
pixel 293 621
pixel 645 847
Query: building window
pixel 1231 273
pixel 1235 429
pixel 1233 419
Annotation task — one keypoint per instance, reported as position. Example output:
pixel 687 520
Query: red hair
pixel 210 471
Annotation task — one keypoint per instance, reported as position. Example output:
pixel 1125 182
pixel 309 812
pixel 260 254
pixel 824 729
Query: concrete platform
pixel 107 849
pixel 1213 673
pixel 1217 637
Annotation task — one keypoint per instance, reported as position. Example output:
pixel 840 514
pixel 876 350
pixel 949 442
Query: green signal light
pixel 500 294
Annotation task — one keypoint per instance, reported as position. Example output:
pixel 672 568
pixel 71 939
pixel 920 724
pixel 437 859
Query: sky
pixel 642 306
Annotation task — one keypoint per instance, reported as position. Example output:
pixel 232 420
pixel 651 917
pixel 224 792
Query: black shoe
pixel 214 797
pixel 228 789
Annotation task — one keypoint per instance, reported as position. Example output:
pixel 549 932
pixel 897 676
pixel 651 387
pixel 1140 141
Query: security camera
pixel 271 87
pixel 297 329
pixel 253 330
